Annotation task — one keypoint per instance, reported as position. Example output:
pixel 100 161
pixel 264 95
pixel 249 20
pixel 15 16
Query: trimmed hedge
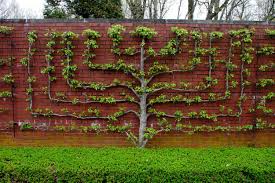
pixel 137 165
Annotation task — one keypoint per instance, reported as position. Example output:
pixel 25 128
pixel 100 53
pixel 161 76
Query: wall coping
pixel 162 21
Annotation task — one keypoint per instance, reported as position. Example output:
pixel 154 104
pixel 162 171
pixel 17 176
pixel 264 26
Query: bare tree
pixel 137 8
pixel 228 11
pixel 191 9
pixel 160 8
pixel 8 9
pixel 242 11
pixel 140 9
pixel 179 7
pixel 265 10
pixel 237 10
pixel 213 8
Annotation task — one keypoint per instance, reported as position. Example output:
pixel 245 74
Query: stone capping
pixel 162 21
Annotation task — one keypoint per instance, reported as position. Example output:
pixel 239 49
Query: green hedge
pixel 137 165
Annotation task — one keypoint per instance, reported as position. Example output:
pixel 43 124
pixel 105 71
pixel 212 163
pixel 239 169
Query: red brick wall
pixel 16 45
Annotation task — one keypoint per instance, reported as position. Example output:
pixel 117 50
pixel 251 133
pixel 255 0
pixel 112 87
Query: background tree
pixel 146 9
pixel 213 8
pixel 8 9
pixel 83 9
pixel 137 8
pixel 265 10
pixel 191 9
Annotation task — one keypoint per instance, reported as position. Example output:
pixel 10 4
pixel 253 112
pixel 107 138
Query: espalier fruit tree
pixel 145 91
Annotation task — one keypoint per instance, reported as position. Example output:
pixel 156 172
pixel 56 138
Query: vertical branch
pixel 143 98
pixel 210 58
pixel 242 84
pixel 228 62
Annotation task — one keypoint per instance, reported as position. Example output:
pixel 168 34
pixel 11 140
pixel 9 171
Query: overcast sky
pixel 36 7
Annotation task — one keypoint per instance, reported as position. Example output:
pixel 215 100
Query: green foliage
pixel 266 67
pixel 68 71
pixel 43 112
pixel 8 78
pixel 5 30
pixel 136 165
pixel 173 46
pixel 270 32
pixel 212 96
pixel 47 70
pixel 264 109
pixel 95 112
pixel 200 52
pixel 119 128
pixel 169 49
pixel 196 35
pixel 157 68
pixel 60 95
pixel 216 35
pixel 269 96
pixel 54 10
pixel 268 50
pixel 90 43
pixel 194 61
pixel 246 56
pixel 6 61
pixel 114 32
pixel 202 115
pixel 75 101
pixel 192 114
pixel 262 104
pixel 244 34
pixel 262 124
pixel 5 94
pixel 151 52
pixel 265 82
pixel 130 51
pixel 32 36
pixel 178 116
pixel 83 9
pixel 150 133
pixel 91 34
pixel 180 32
pixel 26 126
pixel 144 32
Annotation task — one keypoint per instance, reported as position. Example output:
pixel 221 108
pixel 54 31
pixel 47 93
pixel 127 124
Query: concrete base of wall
pixel 262 138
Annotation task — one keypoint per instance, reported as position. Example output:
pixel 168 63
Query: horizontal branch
pixel 184 101
pixel 168 72
pixel 90 102
pixel 188 117
pixel 83 117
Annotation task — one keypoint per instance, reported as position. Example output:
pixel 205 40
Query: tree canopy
pixel 83 9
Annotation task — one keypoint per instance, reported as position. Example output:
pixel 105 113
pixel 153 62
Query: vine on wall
pixel 6 61
pixel 145 92
pixel 265 83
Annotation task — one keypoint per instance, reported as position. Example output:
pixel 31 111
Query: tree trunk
pixel 137 8
pixel 155 15
pixel 143 100
pixel 216 9
pixel 142 120
pixel 191 8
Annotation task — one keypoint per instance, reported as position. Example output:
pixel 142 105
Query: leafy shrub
pixel 136 165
